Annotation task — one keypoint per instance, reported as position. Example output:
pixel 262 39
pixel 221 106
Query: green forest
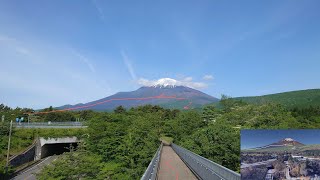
pixel 120 144
pixel 292 99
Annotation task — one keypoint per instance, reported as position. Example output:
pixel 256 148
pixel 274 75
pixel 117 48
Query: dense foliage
pixel 310 116
pixel 120 144
pixel 293 99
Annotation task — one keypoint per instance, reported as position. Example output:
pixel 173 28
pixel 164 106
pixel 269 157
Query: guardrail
pixel 152 170
pixel 204 168
pixel 48 124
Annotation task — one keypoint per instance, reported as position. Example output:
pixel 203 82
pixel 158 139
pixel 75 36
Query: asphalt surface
pixel 172 167
pixel 269 175
pixel 29 173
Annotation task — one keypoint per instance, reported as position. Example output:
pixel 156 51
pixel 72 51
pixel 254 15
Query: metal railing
pixel 48 124
pixel 152 170
pixel 204 168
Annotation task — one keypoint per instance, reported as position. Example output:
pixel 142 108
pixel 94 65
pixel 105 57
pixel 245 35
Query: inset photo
pixel 280 154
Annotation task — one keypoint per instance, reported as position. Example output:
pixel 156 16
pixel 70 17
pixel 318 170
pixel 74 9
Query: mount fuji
pixel 283 143
pixel 166 94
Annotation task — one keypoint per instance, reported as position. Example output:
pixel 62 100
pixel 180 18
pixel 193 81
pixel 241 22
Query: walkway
pixel 172 167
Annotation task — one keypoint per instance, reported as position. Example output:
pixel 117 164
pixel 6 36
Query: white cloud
pixel 37 74
pixel 208 77
pixel 23 50
pixel 127 62
pixel 85 60
pixel 14 44
pixel 6 38
pixel 187 79
pixel 173 82
pixel 15 47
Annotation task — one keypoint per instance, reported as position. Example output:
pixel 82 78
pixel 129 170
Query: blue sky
pixel 60 52
pixel 258 138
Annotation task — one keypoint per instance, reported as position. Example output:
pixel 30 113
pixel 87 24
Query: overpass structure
pixel 175 162
pixel 41 151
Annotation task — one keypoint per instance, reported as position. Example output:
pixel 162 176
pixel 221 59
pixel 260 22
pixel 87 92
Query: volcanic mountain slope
pixel 190 98
pixel 285 144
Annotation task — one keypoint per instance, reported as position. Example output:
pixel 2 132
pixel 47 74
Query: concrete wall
pixel 37 155
pixel 34 151
pixel 44 141
pixel 25 157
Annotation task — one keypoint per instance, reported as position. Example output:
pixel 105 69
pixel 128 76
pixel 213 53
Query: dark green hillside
pixel 299 99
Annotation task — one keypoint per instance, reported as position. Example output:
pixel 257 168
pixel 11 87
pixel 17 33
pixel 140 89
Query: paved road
pixel 172 167
pixel 287 173
pixel 269 175
pixel 287 170
pixel 29 174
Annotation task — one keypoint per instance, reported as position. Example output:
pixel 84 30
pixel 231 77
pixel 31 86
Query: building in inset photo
pixel 280 154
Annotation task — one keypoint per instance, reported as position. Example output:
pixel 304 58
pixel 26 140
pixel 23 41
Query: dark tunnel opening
pixel 56 149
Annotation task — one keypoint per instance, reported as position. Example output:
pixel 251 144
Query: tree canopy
pixel 120 144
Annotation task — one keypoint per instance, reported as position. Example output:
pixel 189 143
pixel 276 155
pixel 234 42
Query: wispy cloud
pixel 208 77
pixel 85 60
pixel 99 9
pixel 38 74
pixel 187 79
pixel 17 47
pixel 23 50
pixel 14 44
pixel 128 64
pixel 5 38
pixel 173 82
pixel 277 18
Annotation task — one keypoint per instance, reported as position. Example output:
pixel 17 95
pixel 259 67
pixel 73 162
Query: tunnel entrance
pixel 56 149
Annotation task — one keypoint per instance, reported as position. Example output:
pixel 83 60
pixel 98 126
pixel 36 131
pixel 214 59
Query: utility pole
pixel 2 118
pixel 7 164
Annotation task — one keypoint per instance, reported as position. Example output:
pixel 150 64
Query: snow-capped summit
pixel 165 82
pixel 287 142
pixel 171 83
